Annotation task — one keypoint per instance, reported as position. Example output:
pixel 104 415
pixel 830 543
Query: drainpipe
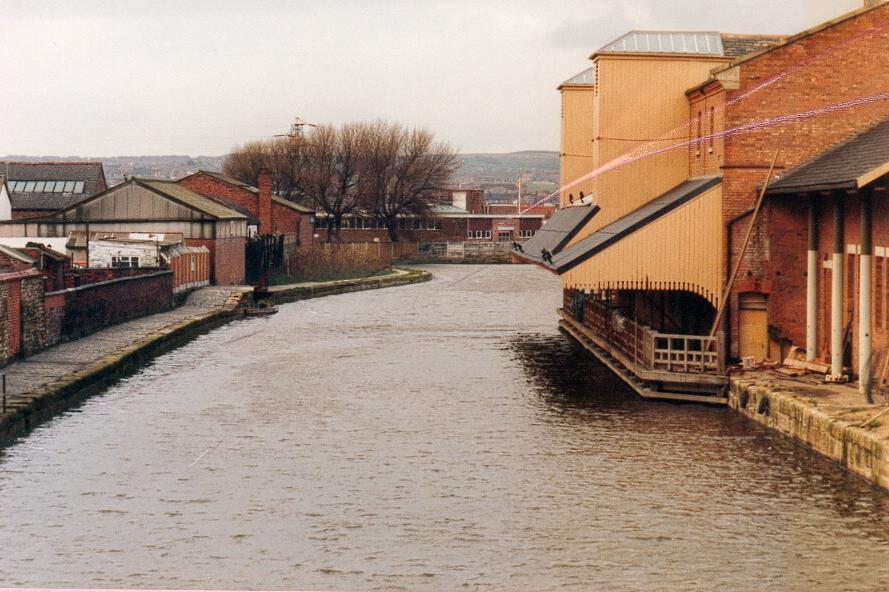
pixel 836 291
pixel 864 297
pixel 812 283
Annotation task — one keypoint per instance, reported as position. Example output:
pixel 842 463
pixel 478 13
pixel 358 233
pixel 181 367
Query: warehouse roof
pixel 851 164
pixel 557 232
pixel 51 185
pixel 639 218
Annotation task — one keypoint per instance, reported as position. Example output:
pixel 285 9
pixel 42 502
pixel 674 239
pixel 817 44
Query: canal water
pixel 429 437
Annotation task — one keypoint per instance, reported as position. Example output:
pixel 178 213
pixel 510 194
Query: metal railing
pixel 465 249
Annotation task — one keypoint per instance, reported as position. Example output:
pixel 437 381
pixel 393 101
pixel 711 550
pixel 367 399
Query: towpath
pixel 71 360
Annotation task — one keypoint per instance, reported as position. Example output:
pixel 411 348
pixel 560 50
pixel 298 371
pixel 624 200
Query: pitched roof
pixel 292 205
pixel 226 179
pixel 642 216
pixel 681 42
pixel 91 174
pixel 802 35
pixel 77 238
pixel 240 184
pixel 17 255
pixel 851 164
pixel 703 43
pixel 735 46
pixel 188 198
pixel 585 78
pixel 557 232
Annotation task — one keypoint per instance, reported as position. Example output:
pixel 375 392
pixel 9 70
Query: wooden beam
pixel 731 282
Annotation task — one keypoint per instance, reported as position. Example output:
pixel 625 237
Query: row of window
pixel 501 236
pixel 130 262
pixel 403 224
pixel 711 114
pixel 46 186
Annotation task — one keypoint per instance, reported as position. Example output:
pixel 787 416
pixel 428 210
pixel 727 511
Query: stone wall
pixel 33 317
pixel 861 450
pixel 21 313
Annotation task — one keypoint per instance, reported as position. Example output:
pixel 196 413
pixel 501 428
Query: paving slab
pixel 34 372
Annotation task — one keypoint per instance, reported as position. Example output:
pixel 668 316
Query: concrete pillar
pixel 812 283
pixel 865 289
pixel 837 273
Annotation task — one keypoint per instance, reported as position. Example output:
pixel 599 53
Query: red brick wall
pixel 93 307
pixel 855 70
pixel 836 74
pixel 212 187
pixel 19 313
pixel 786 273
pixel 286 221
pixel 452 229
pixel 8 263
pixel 74 278
pixel 306 230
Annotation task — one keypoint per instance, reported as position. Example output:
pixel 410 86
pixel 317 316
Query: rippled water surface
pixel 427 437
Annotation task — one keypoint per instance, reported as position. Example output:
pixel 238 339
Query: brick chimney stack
pixel 264 209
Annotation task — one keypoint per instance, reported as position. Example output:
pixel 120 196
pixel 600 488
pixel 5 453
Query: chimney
pixel 264 209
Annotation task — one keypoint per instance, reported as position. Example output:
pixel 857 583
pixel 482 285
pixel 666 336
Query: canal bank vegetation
pixel 336 261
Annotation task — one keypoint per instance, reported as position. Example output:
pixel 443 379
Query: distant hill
pixel 159 167
pixel 540 165
pixel 480 168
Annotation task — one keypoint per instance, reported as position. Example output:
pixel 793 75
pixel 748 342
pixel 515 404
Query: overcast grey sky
pixel 104 78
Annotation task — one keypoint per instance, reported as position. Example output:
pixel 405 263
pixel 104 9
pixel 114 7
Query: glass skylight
pixel 46 186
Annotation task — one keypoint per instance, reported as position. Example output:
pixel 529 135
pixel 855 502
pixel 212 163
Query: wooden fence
pixel 649 349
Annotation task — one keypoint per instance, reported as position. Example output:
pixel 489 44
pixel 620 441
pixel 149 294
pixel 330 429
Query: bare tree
pixel 400 166
pixel 328 172
pixel 381 169
pixel 245 162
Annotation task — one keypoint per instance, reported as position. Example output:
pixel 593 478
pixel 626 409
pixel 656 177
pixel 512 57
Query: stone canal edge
pixel 845 435
pixel 27 410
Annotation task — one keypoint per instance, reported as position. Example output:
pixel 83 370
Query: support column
pixel 837 273
pixel 865 289
pixel 812 283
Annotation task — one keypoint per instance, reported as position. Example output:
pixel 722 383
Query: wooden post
pixel 731 282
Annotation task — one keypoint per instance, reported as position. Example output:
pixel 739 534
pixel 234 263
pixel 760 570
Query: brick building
pixel 647 257
pixel 267 213
pixel 152 206
pixel 39 188
pixel 456 215
pixel 5 204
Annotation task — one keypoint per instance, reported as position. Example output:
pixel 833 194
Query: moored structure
pixel 682 132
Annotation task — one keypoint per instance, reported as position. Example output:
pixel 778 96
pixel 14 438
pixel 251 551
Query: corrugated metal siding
pixel 641 99
pixel 577 139
pixel 675 252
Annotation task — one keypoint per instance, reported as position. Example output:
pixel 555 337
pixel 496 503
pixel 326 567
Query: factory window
pixel 124 261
